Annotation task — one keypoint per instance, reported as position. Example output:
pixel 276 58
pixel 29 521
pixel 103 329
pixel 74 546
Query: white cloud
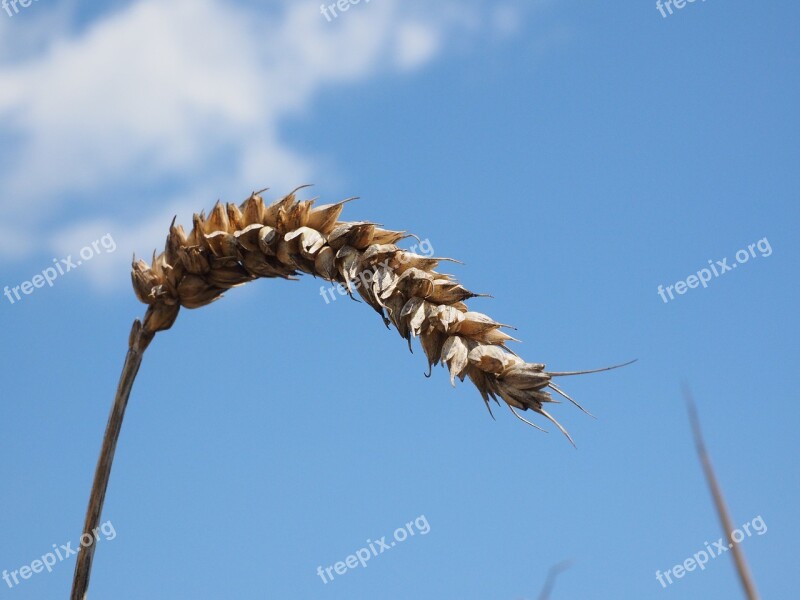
pixel 190 92
pixel 416 44
pixel 506 20
pixel 109 270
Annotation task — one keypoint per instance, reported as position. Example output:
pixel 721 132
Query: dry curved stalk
pixel 236 244
pixel 552 574
pixel 739 561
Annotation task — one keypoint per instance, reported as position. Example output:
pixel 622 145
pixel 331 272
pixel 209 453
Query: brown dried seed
pixel 194 260
pixel 491 358
pixel 267 239
pixel 447 318
pixel 432 342
pixel 228 277
pixel 394 306
pixel 527 399
pixel 325 263
pixel 263 266
pixel 358 235
pixel 323 218
pixel 293 216
pixel 493 336
pixel 403 261
pixel 475 323
pixel 525 376
pixel 384 236
pixel 223 244
pixel 382 279
pixel 144 282
pixel 161 316
pixel 248 237
pixel 253 210
pixel 416 311
pixel 454 355
pixel 176 239
pixel 483 382
pixel 337 237
pixel 309 241
pixel 197 236
pixel 361 237
pixel 156 266
pixel 235 217
pixel 447 292
pixel 413 282
pixel 217 220
pixel 347 263
pixel 379 254
pixel 411 307
pixel 368 294
pixel 283 252
pixel 195 292
pixel 174 274
pixel 284 204
pixel 271 211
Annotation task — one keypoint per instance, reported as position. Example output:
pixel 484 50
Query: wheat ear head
pixel 239 243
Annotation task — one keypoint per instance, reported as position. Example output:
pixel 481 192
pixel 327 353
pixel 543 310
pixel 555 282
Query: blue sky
pixel 574 155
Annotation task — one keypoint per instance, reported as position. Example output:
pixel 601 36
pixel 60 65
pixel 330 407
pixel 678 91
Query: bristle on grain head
pixel 236 244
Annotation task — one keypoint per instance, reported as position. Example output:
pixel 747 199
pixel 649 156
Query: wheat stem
pixel 139 339
pixel 552 574
pixel 719 500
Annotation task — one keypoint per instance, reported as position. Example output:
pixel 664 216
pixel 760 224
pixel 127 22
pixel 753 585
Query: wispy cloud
pixel 185 96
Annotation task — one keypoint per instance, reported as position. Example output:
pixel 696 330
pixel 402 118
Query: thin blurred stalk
pixel 719 500
pixel 137 343
pixel 552 574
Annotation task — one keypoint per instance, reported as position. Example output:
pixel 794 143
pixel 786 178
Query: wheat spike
pixel 236 244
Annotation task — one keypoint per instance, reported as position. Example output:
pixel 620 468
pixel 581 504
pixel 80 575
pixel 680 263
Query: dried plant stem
pixel 719 500
pixel 138 342
pixel 552 574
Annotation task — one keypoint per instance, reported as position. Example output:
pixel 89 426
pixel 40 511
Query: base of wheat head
pixel 239 243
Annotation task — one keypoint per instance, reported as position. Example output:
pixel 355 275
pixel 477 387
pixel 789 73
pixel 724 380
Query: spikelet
pixel 237 244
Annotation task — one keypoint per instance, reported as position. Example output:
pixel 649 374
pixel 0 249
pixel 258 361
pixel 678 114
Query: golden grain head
pixel 236 244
